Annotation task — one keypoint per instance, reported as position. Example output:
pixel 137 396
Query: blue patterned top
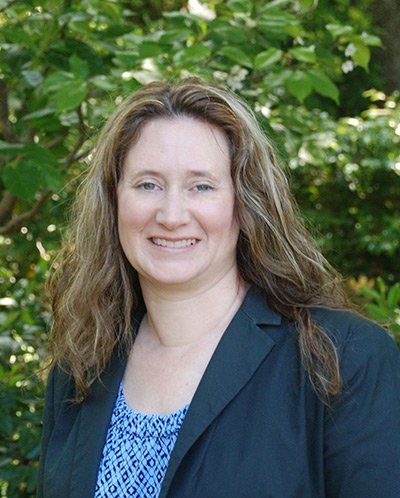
pixel 136 452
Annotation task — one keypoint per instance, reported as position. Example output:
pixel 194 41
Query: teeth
pixel 179 243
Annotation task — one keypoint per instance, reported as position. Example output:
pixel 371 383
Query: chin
pixel 168 279
pixel 173 281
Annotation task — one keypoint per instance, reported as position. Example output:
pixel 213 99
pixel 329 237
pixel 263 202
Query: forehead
pixel 180 143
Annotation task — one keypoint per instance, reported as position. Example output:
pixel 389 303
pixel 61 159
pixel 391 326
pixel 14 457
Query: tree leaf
pixel 277 78
pixel 324 85
pixel 51 177
pixel 306 4
pixel 70 95
pixel 274 23
pixel 221 31
pixel 33 78
pixel 377 312
pixel 150 49
pixel 370 293
pixel 239 5
pixel 23 180
pixel 192 55
pixel 337 30
pixel 361 55
pixel 371 40
pixel 126 58
pixel 40 113
pixel 175 36
pixel 46 164
pixel 57 80
pixel 79 67
pixel 393 297
pixel 60 51
pixel 103 82
pixel 273 6
pixel 381 285
pixel 299 85
pixel 111 10
pixel 236 55
pixel 267 58
pixel 304 54
pixel 15 34
pixel 39 155
pixel 10 148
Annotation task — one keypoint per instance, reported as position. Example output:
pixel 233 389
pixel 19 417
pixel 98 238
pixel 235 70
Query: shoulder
pixel 346 327
pixel 362 424
pixel 363 347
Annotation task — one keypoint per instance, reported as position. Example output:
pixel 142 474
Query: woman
pixel 202 346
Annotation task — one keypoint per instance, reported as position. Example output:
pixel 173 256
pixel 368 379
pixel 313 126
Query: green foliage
pixel 383 305
pixel 64 65
pixel 23 340
pixel 346 175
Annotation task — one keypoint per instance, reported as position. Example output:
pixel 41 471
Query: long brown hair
pixel 95 291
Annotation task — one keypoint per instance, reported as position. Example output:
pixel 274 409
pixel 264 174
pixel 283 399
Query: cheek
pixel 220 216
pixel 130 213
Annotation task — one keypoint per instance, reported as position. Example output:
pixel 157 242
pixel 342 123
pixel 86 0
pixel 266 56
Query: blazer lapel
pixel 240 351
pixel 94 421
pixel 95 418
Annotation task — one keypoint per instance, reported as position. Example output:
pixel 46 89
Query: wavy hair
pixel 95 292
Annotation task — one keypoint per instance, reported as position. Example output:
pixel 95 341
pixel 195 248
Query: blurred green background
pixel 322 76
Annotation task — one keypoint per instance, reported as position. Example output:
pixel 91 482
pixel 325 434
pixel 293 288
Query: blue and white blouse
pixel 137 450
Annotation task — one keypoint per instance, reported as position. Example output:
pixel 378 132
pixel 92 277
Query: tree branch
pixel 18 221
pixel 83 154
pixel 83 132
pixel 7 204
pixel 5 125
pixel 3 9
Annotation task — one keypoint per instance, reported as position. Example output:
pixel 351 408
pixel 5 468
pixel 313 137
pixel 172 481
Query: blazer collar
pixel 256 307
pixel 238 354
pixel 241 349
pixel 95 417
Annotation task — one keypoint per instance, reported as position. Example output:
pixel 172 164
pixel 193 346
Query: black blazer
pixel 255 428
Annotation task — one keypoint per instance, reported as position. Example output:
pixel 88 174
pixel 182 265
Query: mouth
pixel 175 245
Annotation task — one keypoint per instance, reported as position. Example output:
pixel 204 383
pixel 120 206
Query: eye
pixel 145 185
pixel 203 187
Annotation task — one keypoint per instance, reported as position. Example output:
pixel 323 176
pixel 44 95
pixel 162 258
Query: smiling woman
pixel 202 346
pixel 154 223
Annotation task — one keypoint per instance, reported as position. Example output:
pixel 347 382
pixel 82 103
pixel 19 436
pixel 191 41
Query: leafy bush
pixel 346 176
pixel 23 339
pixel 66 64
pixel 382 303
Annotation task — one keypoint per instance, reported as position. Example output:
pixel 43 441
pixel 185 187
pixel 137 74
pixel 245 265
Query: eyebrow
pixel 191 173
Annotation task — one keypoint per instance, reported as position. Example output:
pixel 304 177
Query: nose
pixel 173 211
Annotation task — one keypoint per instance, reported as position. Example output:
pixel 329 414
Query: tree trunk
pixel 386 14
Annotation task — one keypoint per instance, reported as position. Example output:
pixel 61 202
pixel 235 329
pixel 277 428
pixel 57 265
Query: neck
pixel 176 321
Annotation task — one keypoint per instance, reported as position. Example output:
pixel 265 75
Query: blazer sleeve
pixel 47 427
pixel 362 428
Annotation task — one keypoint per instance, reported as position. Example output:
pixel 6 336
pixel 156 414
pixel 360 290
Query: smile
pixel 174 244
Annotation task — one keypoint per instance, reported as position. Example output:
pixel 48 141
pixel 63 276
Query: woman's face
pixel 176 204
